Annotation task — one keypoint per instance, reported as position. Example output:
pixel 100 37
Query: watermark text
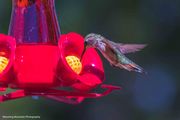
pixel 20 117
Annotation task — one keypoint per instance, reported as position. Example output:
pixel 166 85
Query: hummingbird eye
pixel 85 43
pixel 90 41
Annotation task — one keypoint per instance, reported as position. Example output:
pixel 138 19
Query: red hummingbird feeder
pixel 36 60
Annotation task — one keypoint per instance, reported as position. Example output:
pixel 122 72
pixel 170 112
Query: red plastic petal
pixel 7 45
pixel 87 82
pixel 89 79
pixel 92 63
pixel 69 44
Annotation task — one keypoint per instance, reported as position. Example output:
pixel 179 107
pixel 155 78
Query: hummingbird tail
pixel 134 67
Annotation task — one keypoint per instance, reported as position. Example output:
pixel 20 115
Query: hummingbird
pixel 115 52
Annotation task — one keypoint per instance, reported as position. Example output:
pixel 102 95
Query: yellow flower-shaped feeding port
pixel 74 63
pixel 3 63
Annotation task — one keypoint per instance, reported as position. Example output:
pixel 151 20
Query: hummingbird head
pixel 94 40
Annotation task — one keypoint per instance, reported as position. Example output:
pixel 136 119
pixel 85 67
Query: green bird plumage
pixel 114 52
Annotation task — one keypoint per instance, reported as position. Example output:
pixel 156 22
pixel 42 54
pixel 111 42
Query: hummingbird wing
pixel 128 48
pixel 125 63
pixel 109 53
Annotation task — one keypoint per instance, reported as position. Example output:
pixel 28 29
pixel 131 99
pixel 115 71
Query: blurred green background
pixel 152 97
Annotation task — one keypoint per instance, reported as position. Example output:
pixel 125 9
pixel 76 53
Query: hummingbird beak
pixel 85 47
pixel 85 44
